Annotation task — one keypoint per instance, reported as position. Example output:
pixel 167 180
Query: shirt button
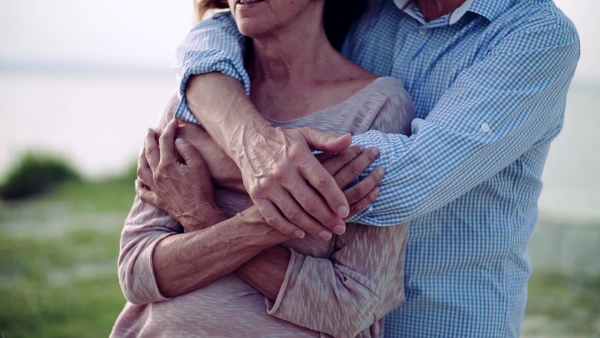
pixel 485 127
pixel 423 31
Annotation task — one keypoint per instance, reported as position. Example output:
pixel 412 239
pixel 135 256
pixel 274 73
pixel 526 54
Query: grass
pixel 34 174
pixel 65 287
pixel 58 255
pixel 570 302
pixel 58 268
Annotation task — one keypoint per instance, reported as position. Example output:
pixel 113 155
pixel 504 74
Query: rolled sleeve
pixel 214 45
pixel 144 228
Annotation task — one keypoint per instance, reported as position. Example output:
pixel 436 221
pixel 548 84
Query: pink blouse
pixel 342 287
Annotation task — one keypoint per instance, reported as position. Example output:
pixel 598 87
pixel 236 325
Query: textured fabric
pixel 489 84
pixel 334 288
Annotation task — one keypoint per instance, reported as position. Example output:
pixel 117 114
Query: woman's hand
pixel 184 189
pixel 224 172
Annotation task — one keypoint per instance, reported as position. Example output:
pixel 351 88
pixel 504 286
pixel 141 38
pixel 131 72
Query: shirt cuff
pixel 294 264
pixel 202 62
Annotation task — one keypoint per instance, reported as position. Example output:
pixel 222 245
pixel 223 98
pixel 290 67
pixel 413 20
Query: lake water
pixel 98 122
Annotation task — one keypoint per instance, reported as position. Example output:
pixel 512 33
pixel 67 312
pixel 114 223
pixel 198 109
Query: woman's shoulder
pixel 384 90
pixel 391 105
pixel 387 87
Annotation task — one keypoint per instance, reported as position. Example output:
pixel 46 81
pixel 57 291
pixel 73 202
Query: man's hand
pixel 183 189
pixel 345 168
pixel 292 190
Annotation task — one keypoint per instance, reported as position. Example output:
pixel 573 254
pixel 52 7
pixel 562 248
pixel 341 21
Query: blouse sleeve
pixel 144 228
pixel 364 277
pixel 361 282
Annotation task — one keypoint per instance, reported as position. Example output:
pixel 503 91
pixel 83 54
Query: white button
pixel 423 31
pixel 485 127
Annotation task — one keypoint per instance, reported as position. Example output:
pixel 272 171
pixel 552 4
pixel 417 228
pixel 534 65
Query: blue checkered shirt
pixel 489 84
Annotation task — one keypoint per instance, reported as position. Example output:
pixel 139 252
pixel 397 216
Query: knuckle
pixel 280 174
pixel 311 204
pixel 322 181
pixel 353 152
pixel 148 150
pixel 296 154
pixel 358 192
pixel 158 177
pixel 355 169
pixel 162 138
pixel 273 221
pixel 257 191
pixel 294 216
pixel 358 207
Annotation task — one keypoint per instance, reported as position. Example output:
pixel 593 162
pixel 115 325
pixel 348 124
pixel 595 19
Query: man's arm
pixel 497 109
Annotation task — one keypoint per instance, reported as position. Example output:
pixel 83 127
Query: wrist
pixel 202 217
pixel 245 133
pixel 263 234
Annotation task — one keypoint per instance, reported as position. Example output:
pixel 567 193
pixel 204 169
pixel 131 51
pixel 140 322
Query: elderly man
pixel 489 80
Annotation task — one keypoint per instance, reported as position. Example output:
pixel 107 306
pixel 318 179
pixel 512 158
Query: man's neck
pixel 433 9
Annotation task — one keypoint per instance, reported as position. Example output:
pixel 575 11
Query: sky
pixel 145 33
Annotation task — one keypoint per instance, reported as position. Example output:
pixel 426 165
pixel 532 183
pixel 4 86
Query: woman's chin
pixel 251 28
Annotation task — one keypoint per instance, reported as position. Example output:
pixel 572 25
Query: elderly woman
pixel 193 269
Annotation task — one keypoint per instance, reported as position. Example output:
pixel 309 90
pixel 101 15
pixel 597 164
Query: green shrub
pixel 34 174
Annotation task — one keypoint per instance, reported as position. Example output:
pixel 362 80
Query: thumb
pixel 318 140
pixel 187 152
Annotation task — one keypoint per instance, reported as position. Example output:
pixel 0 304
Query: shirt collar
pixel 490 9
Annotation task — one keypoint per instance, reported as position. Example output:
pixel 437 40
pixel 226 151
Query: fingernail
pixel 343 211
pixel 376 190
pixel 299 234
pixel 326 235
pixel 380 171
pixel 179 141
pixel 362 148
pixel 375 151
pixel 180 123
pixel 339 229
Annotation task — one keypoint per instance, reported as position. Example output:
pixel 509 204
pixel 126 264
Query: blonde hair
pixel 201 6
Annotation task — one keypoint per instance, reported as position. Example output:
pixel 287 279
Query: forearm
pixel 222 107
pixel 266 271
pixel 186 262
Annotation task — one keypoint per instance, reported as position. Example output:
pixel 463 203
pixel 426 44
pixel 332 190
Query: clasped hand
pixel 174 176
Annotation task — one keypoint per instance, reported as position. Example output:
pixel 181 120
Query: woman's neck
pixel 298 52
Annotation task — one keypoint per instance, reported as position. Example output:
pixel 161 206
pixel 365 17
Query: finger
pixel 355 167
pixel 322 157
pixel 297 214
pixel 189 154
pixel 339 160
pixel 315 216
pixel 275 219
pixel 151 150
pixel 168 111
pixel 324 183
pixel 362 188
pixel 325 142
pixel 143 170
pixel 167 144
pixel 364 202
pixel 146 195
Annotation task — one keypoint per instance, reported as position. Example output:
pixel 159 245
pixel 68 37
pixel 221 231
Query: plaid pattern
pixel 489 84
